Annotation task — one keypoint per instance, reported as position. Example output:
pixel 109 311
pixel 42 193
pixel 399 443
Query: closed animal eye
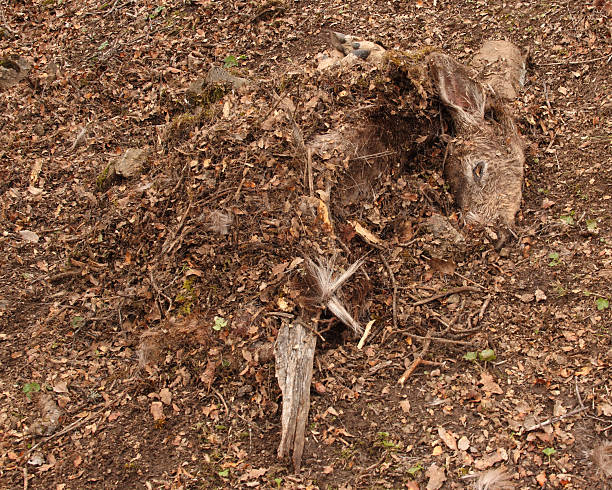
pixel 478 171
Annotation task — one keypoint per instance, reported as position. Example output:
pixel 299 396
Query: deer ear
pixel 456 88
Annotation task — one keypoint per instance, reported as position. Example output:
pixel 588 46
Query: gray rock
pixel 131 162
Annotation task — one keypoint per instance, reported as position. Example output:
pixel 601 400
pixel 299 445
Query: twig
pixel 309 172
pixel 435 297
pixel 237 193
pixel 555 419
pixel 279 99
pixel 445 153
pixel 375 155
pixel 159 293
pixel 481 313
pixel 315 320
pixel 552 142
pixel 578 62
pixel 63 275
pixel 74 425
pixel 547 99
pixel 578 391
pixel 469 280
pixel 281 314
pixel 365 335
pixel 115 7
pixel 220 396
pixel 5 24
pixel 417 361
pixel 394 285
pixel 173 192
pixel 464 331
pixel 166 249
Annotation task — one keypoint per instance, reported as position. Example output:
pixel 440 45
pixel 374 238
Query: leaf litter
pixel 101 309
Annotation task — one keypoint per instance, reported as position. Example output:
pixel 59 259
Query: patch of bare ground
pixel 138 313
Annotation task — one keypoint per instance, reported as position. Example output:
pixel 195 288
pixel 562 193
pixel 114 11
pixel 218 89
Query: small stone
pixel 131 162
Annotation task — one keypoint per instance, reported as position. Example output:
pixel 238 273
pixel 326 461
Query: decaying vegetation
pixel 158 225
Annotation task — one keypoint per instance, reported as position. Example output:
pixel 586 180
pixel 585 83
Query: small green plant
pixel 102 46
pixel 101 180
pixel 602 304
pixel 186 297
pixel 471 356
pixel 219 323
pixel 384 441
pixel 415 469
pixel 30 388
pixel 158 10
pixel 554 259
pixel 77 322
pixel 591 225
pixel 549 451
pixel 560 289
pixel 224 473
pixel 487 355
pixel 568 219
pixel 483 355
pixel 231 60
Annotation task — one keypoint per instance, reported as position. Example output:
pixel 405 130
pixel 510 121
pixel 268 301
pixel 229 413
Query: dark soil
pixel 137 324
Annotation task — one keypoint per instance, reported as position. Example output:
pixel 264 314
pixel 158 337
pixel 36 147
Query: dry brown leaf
pixel 442 266
pixel 547 203
pixel 436 476
pixel 405 405
pixel 60 387
pixel 208 376
pixel 490 386
pixel 157 410
pixel 604 409
pixel 165 396
pixel 490 459
pixel 323 216
pixel 365 234
pixel 448 438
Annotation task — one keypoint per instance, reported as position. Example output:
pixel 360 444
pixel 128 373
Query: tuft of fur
pixel 219 222
pixel 327 284
pixel 148 349
pixel 496 479
pixel 602 457
pixel 172 335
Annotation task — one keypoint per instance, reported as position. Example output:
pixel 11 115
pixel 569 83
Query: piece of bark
pixel 294 351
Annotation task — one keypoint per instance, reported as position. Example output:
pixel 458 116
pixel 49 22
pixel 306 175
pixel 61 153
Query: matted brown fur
pixel 484 164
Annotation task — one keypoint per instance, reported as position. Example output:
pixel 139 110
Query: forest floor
pixel 138 314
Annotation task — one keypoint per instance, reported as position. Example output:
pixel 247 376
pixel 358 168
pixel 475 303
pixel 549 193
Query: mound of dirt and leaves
pixel 169 170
